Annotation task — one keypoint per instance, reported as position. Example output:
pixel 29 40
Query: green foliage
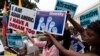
pixel 25 3
pixel 1 3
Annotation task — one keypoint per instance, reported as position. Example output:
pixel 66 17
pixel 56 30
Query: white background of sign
pixel 26 12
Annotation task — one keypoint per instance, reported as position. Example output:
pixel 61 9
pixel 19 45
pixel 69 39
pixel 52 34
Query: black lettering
pixel 15 14
pixel 27 18
pixel 18 10
pixel 66 5
pixel 88 15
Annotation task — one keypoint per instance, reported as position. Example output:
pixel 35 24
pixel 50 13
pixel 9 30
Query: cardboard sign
pixel 89 16
pixel 76 45
pixel 21 19
pixel 14 40
pixel 66 6
pixel 1 47
pixel 50 21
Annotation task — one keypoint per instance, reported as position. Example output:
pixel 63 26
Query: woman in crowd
pixel 91 35
pixel 49 49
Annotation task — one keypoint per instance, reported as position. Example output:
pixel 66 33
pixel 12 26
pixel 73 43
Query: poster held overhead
pixel 21 19
pixel 89 16
pixel 66 6
pixel 50 21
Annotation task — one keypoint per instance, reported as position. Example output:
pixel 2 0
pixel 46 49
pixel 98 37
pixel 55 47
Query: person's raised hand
pixel 68 15
pixel 24 33
pixel 46 33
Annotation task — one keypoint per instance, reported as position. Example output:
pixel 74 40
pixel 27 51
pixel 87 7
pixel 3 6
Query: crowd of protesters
pixel 46 44
pixel 90 35
pixel 54 45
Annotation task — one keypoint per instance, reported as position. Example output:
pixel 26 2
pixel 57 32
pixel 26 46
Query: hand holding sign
pixel 50 21
pixel 68 15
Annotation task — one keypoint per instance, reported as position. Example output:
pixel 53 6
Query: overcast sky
pixel 82 4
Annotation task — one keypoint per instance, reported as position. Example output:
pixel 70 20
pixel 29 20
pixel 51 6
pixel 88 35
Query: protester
pixel 31 49
pixel 76 42
pixel 76 35
pixel 90 35
pixel 87 47
pixel 48 48
pixel 66 38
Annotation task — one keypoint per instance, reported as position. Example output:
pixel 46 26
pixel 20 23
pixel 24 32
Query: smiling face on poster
pixel 50 21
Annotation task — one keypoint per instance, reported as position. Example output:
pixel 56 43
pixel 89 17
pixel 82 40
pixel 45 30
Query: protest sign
pixel 50 21
pixel 21 19
pixel 66 6
pixel 1 47
pixel 89 16
pixel 14 40
pixel 76 45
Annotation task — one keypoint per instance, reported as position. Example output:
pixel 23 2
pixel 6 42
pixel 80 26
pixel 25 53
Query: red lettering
pixel 17 26
pixel 22 22
pixel 10 18
pixel 26 24
pixel 18 21
pixel 30 31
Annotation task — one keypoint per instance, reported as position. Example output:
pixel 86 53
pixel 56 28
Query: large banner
pixel 21 19
pixel 14 40
pixel 50 21
pixel 89 16
pixel 66 6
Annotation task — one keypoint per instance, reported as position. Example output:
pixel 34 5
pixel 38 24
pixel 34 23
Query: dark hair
pixel 95 26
